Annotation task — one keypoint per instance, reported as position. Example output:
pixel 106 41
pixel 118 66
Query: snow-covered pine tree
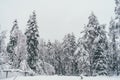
pixel 100 52
pixel 50 53
pixel 69 47
pixel 89 35
pixel 12 44
pixel 58 57
pixel 92 36
pixel 114 33
pixel 82 58
pixel 32 35
pixel 113 48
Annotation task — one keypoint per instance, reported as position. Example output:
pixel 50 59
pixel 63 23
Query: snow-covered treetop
pixel 69 40
pixel 69 44
pixel 93 19
pixel 15 32
pixel 32 20
pixel 15 26
pixel 32 26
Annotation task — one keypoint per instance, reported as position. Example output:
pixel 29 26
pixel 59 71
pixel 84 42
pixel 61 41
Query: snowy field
pixel 62 78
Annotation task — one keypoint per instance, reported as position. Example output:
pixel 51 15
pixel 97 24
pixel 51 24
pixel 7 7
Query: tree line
pixel 95 53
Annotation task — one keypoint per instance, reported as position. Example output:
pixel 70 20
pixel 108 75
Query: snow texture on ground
pixel 63 78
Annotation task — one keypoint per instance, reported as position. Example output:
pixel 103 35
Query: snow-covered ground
pixel 62 78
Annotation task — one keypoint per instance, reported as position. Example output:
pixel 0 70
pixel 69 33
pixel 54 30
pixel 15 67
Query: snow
pixel 63 78
pixel 11 73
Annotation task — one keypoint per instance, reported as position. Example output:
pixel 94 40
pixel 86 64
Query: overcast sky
pixel 55 17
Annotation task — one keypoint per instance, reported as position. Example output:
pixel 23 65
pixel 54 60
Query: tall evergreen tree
pixel 114 33
pixel 50 53
pixel 82 58
pixel 69 47
pixel 12 44
pixel 100 53
pixel 89 36
pixel 58 57
pixel 92 42
pixel 32 35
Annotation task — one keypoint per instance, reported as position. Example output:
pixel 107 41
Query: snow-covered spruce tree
pixel 114 33
pixel 92 40
pixel 12 44
pixel 89 35
pixel 100 52
pixel 113 62
pixel 58 57
pixel 50 53
pixel 32 35
pixel 69 47
pixel 16 47
pixel 82 58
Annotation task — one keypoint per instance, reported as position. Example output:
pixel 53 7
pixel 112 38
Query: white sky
pixel 55 17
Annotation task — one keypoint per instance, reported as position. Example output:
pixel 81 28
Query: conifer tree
pixel 12 44
pixel 69 47
pixel 82 58
pixel 114 34
pixel 93 44
pixel 32 35
pixel 100 52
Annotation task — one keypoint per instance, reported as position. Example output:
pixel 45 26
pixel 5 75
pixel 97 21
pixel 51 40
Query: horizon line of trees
pixel 95 53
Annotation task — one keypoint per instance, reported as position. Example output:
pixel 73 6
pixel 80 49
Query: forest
pixel 96 52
